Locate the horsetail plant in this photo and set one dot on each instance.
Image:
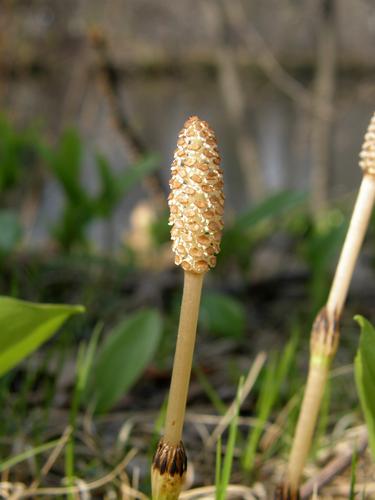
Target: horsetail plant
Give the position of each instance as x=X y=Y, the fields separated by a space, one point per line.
x=325 y=331
x=196 y=204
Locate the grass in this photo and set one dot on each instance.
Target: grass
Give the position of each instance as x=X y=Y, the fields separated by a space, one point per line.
x=276 y=371
x=210 y=391
x=353 y=476
x=30 y=453
x=223 y=472
x=84 y=362
x=93 y=456
x=94 y=453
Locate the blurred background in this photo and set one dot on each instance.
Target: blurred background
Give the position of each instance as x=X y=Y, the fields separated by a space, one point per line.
x=288 y=87
x=92 y=97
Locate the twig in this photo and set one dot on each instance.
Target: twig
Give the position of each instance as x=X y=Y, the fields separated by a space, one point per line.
x=110 y=82
x=266 y=59
x=333 y=468
x=275 y=430
x=247 y=386
x=324 y=88
x=53 y=457
x=235 y=103
x=364 y=490
x=32 y=492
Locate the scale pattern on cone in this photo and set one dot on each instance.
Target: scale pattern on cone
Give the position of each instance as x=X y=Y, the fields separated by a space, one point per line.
x=196 y=200
x=367 y=155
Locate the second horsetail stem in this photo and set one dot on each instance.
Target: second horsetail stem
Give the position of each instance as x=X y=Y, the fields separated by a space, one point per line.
x=325 y=332
x=196 y=203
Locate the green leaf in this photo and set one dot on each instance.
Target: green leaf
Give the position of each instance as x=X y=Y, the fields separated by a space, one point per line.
x=65 y=161
x=135 y=173
x=125 y=354
x=115 y=186
x=110 y=194
x=223 y=478
x=25 y=326
x=222 y=315
x=364 y=369
x=17 y=148
x=10 y=231
x=270 y=207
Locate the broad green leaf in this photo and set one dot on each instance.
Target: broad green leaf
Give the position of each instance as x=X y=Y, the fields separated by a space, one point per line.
x=24 y=326
x=125 y=354
x=222 y=314
x=10 y=231
x=364 y=369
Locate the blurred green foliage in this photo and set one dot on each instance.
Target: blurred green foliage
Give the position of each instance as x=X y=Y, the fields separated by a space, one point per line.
x=365 y=376
x=318 y=242
x=275 y=374
x=17 y=154
x=10 y=231
x=223 y=315
x=254 y=225
x=22 y=149
x=81 y=208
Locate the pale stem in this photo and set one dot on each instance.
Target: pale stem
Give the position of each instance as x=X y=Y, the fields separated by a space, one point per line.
x=352 y=245
x=183 y=357
x=313 y=394
x=319 y=365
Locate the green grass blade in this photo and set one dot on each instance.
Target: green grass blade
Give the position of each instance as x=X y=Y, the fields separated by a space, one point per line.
x=263 y=409
x=212 y=395
x=37 y=450
x=84 y=362
x=218 y=469
x=353 y=476
x=364 y=370
x=229 y=451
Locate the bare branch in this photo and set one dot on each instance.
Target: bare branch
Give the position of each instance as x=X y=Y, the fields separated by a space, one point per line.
x=324 y=89
x=234 y=99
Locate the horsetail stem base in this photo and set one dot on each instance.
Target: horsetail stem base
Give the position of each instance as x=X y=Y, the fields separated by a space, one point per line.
x=323 y=346
x=284 y=493
x=168 y=471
